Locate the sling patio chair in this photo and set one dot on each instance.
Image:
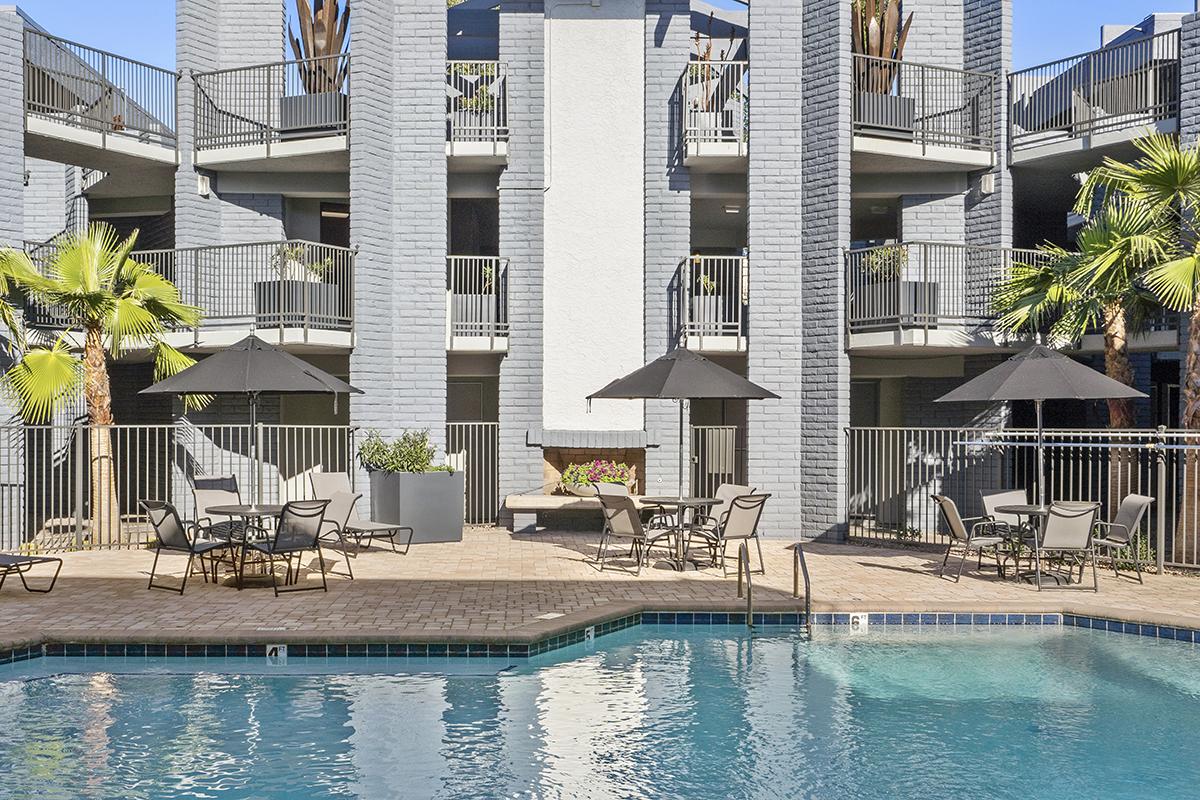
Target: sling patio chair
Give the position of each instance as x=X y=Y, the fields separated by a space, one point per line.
x=325 y=484
x=337 y=514
x=706 y=525
x=980 y=536
x=1122 y=532
x=19 y=565
x=622 y=521
x=217 y=490
x=738 y=522
x=297 y=531
x=1015 y=528
x=1067 y=534
x=175 y=535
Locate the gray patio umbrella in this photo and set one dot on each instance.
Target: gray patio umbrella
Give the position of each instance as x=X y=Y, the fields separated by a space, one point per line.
x=252 y=367
x=682 y=375
x=1039 y=374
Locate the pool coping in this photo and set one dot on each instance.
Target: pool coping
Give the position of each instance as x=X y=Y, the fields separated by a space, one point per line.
x=547 y=635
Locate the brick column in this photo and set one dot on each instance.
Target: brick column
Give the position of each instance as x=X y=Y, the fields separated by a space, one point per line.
x=522 y=183
x=668 y=222
x=987 y=47
x=12 y=128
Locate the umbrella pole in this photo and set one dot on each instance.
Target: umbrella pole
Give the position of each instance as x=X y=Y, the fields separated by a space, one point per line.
x=256 y=434
x=682 y=445
x=1041 y=455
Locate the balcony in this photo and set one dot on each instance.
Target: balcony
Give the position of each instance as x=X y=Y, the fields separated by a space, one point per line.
x=913 y=117
x=716 y=122
x=291 y=292
x=926 y=294
x=713 y=302
x=292 y=115
x=477 y=113
x=1095 y=100
x=476 y=304
x=95 y=109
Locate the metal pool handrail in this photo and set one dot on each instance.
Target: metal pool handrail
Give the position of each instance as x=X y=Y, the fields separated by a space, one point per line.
x=800 y=568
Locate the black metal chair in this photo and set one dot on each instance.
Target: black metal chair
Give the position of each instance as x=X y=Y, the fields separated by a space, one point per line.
x=176 y=535
x=19 y=565
x=297 y=531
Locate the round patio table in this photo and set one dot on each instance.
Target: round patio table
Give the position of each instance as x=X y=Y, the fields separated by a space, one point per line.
x=1036 y=515
x=251 y=512
x=681 y=506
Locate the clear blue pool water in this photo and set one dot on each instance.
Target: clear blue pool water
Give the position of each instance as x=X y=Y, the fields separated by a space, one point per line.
x=652 y=712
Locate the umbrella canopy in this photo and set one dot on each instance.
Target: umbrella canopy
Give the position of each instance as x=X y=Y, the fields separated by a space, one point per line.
x=252 y=367
x=682 y=375
x=1040 y=373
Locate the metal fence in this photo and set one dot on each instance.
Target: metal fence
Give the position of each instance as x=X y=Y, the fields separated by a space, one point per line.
x=476 y=101
x=272 y=103
x=474 y=448
x=1132 y=84
x=926 y=284
x=716 y=101
x=78 y=486
x=477 y=298
x=927 y=105
x=716 y=458
x=714 y=297
x=97 y=91
x=891 y=473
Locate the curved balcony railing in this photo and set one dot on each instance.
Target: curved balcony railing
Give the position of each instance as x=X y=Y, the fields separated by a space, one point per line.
x=926 y=105
x=1128 y=85
x=97 y=91
x=926 y=284
x=272 y=103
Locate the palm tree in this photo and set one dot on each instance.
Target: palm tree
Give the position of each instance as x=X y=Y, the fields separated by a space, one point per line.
x=1068 y=293
x=108 y=302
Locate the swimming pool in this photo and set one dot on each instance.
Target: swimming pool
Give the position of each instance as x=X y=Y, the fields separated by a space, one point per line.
x=649 y=712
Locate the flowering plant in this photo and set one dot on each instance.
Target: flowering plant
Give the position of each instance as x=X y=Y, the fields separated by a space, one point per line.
x=597 y=471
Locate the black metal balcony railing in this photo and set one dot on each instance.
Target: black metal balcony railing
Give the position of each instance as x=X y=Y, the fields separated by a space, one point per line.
x=1128 y=85
x=477 y=295
x=476 y=101
x=272 y=103
x=716 y=102
x=926 y=284
x=714 y=296
x=97 y=91
x=292 y=285
x=926 y=105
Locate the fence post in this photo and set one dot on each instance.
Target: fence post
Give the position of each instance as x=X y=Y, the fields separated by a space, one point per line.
x=80 y=457
x=1160 y=465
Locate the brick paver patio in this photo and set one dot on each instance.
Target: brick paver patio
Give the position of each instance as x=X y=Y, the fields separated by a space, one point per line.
x=496 y=586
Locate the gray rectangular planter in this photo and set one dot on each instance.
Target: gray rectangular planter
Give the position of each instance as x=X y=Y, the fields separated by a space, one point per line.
x=888 y=115
x=307 y=115
x=433 y=504
x=293 y=302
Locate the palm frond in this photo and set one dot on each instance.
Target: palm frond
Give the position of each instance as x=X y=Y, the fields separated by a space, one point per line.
x=44 y=380
x=167 y=362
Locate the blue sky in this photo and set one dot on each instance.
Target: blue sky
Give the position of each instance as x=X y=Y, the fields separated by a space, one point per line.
x=145 y=29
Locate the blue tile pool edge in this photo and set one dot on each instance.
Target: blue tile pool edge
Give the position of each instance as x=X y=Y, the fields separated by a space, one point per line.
x=580 y=634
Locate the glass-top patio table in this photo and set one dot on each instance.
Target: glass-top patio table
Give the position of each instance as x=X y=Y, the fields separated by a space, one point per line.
x=253 y=514
x=681 y=506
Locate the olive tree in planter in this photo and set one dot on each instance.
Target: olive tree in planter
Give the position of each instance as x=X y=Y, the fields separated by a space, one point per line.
x=407 y=489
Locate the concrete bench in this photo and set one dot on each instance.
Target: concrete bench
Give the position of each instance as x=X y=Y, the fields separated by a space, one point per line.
x=524 y=508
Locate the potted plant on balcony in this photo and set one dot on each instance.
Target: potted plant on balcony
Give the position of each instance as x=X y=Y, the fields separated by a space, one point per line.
x=323 y=67
x=577 y=479
x=408 y=489
x=299 y=294
x=707 y=110
x=913 y=302
x=877 y=40
x=476 y=310
x=705 y=299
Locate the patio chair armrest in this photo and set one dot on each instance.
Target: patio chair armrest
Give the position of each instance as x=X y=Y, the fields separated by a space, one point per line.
x=1101 y=524
x=986 y=525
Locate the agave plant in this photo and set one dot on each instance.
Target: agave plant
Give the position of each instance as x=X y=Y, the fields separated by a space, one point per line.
x=876 y=32
x=324 y=39
x=702 y=69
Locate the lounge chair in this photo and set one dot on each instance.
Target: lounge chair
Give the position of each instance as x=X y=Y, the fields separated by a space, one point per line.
x=337 y=514
x=622 y=521
x=978 y=537
x=1122 y=532
x=297 y=531
x=176 y=535
x=19 y=565
x=1067 y=533
x=325 y=484
x=738 y=522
